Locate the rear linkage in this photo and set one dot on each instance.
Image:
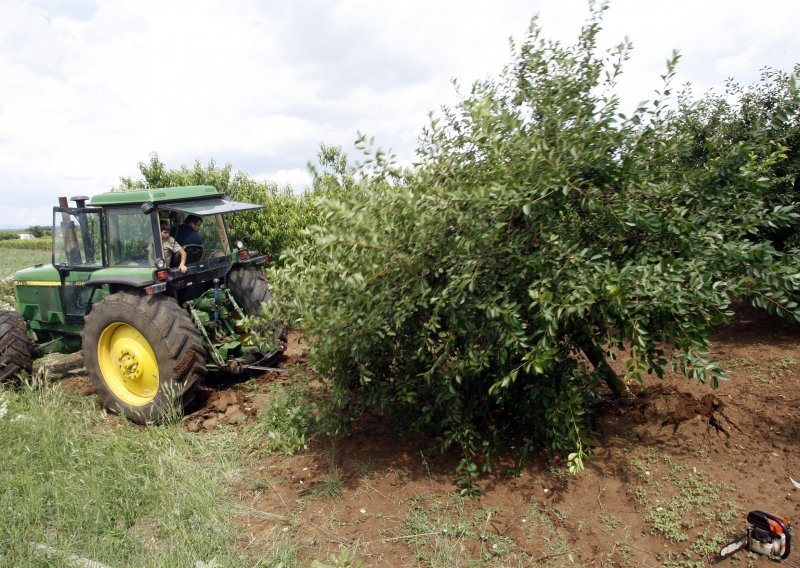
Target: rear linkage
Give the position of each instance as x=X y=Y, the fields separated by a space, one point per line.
x=211 y=314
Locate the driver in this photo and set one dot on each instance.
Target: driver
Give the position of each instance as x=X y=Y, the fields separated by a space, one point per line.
x=189 y=232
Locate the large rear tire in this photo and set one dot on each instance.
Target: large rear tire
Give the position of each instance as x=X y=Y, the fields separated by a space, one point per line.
x=144 y=356
x=15 y=347
x=249 y=288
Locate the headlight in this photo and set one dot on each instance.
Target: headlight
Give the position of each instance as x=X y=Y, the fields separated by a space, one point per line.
x=160 y=263
x=239 y=245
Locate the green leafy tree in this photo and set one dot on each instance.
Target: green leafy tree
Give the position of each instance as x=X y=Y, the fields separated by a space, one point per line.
x=37 y=231
x=764 y=111
x=479 y=296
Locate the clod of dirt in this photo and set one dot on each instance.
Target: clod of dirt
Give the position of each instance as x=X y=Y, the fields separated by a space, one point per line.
x=675 y=408
x=217 y=408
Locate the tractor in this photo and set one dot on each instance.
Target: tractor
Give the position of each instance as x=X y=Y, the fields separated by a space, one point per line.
x=150 y=330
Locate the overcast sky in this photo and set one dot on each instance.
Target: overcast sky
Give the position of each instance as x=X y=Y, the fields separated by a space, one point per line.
x=89 y=88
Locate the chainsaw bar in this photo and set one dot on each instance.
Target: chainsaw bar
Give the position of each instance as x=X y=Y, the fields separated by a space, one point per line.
x=735 y=545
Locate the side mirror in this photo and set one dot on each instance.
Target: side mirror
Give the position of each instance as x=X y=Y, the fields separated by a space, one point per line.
x=147 y=207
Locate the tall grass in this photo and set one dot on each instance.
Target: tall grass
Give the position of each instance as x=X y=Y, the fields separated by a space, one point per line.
x=124 y=496
x=13 y=258
x=44 y=243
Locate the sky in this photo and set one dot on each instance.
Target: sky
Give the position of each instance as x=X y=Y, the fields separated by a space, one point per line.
x=89 y=88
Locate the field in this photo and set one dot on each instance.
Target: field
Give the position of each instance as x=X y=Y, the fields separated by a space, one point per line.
x=672 y=477
x=17 y=254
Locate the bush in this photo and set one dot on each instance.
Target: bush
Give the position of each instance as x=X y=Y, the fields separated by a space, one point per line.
x=286 y=424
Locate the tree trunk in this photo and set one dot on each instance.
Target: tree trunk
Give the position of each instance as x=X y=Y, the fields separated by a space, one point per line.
x=597 y=358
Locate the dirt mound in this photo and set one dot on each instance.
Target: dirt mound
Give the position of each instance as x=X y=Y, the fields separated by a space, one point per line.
x=229 y=407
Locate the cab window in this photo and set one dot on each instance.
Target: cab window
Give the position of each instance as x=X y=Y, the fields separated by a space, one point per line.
x=131 y=237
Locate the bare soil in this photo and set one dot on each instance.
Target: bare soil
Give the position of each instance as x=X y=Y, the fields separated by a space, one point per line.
x=682 y=460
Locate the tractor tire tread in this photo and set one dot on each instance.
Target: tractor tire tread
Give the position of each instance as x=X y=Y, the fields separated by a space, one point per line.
x=15 y=347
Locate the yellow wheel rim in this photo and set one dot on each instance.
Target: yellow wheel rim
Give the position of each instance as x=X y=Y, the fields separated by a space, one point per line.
x=128 y=364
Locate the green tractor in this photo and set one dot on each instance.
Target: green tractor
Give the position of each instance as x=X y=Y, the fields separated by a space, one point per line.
x=150 y=331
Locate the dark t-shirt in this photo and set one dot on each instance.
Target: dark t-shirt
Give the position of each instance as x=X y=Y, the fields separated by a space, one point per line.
x=187 y=236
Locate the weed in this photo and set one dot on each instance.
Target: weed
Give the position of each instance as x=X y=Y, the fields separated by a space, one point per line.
x=539 y=517
x=691 y=508
x=642 y=466
x=285 y=426
x=440 y=526
x=345 y=559
x=330 y=487
x=706 y=545
x=737 y=363
x=556 y=545
x=622 y=549
x=558 y=473
x=497 y=546
x=781 y=366
x=610 y=521
x=748 y=368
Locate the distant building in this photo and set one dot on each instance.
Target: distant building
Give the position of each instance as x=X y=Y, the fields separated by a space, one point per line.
x=25 y=236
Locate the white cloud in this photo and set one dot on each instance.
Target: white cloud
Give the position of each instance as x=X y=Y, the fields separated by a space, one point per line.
x=296 y=177
x=91 y=88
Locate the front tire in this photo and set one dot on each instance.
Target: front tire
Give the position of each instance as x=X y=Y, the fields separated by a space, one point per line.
x=144 y=356
x=15 y=347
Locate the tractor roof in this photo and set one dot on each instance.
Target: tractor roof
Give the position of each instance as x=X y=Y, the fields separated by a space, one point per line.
x=155 y=195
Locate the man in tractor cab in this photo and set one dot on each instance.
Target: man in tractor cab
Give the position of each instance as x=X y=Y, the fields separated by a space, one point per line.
x=171 y=248
x=189 y=232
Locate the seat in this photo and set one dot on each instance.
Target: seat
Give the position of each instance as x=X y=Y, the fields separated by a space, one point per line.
x=194 y=253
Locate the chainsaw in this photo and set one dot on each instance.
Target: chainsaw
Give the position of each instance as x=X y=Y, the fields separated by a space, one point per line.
x=768 y=535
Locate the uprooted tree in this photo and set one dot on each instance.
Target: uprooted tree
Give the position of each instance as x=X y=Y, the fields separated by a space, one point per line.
x=480 y=296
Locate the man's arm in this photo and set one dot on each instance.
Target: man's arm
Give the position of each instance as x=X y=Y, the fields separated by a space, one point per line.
x=182 y=265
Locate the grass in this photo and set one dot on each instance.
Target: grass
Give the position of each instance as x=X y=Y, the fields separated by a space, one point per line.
x=683 y=505
x=13 y=258
x=330 y=487
x=72 y=485
x=779 y=368
x=441 y=526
